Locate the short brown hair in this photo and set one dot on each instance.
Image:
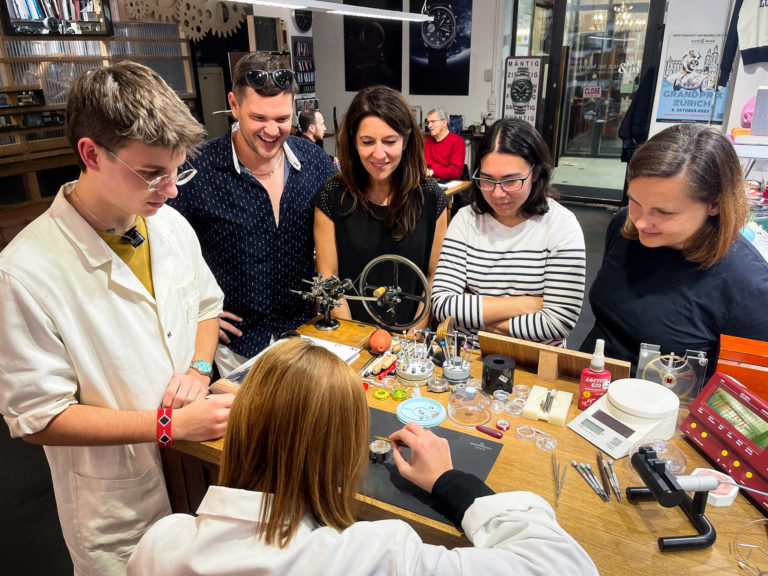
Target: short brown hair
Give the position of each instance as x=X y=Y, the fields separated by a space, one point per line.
x=713 y=174
x=306 y=119
x=260 y=61
x=298 y=430
x=407 y=198
x=125 y=103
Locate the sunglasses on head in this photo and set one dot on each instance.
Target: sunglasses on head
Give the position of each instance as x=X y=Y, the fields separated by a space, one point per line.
x=257 y=79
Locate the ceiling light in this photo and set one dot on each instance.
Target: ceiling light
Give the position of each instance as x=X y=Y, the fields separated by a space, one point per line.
x=343 y=9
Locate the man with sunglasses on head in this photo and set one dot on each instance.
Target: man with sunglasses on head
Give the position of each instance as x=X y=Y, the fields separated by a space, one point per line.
x=249 y=204
x=109 y=317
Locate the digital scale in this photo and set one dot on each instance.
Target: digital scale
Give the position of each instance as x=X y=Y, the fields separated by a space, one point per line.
x=631 y=411
x=728 y=422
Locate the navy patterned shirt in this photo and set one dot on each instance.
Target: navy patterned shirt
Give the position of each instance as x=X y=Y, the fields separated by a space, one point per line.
x=256 y=262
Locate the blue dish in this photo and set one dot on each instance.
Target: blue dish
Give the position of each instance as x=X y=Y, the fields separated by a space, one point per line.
x=424 y=411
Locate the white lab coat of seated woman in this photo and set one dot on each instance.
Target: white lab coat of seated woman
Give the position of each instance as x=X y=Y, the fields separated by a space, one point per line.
x=512 y=533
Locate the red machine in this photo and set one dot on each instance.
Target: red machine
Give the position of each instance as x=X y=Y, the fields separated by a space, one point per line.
x=729 y=423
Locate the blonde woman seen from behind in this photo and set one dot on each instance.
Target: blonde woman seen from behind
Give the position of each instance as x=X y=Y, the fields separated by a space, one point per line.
x=294 y=454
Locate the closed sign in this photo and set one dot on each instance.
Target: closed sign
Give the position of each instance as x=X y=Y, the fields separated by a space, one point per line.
x=592 y=91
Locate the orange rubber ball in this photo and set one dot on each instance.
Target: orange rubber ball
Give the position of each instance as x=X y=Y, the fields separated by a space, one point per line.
x=379 y=341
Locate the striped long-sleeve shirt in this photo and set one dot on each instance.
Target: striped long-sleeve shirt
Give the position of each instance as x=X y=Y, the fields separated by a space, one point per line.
x=542 y=256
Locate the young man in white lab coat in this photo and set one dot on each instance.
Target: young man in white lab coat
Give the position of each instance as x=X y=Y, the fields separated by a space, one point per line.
x=108 y=317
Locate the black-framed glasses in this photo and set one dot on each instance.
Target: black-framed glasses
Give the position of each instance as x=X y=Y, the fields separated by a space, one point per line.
x=161 y=181
x=507 y=185
x=257 y=79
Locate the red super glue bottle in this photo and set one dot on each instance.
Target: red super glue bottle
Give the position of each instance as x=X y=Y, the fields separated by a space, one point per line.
x=595 y=379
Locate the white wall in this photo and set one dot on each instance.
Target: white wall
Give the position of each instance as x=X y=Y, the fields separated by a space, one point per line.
x=487 y=30
x=747 y=80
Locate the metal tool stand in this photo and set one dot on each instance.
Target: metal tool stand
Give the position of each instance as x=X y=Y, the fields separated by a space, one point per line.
x=662 y=486
x=326 y=322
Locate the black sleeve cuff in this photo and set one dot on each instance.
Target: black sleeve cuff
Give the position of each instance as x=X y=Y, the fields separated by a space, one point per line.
x=454 y=492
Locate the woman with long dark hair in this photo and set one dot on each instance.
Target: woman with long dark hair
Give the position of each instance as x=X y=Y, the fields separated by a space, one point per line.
x=381 y=202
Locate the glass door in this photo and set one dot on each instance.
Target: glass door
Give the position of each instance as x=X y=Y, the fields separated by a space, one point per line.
x=595 y=54
x=603 y=71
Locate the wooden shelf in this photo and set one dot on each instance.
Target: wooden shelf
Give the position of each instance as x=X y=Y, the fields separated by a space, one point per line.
x=26 y=149
x=29 y=108
x=7 y=89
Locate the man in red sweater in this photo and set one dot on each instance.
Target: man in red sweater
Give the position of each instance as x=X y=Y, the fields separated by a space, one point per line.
x=444 y=150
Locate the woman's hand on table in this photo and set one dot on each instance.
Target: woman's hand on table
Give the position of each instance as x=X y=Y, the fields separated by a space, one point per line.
x=430 y=455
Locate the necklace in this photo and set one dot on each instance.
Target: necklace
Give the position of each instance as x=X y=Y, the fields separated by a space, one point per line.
x=130 y=235
x=271 y=172
x=378 y=202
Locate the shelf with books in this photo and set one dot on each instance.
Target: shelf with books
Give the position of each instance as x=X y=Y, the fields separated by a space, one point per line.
x=55 y=17
x=304 y=65
x=36 y=74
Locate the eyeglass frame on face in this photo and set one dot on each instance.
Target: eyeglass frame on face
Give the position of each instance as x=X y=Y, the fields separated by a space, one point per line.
x=501 y=183
x=266 y=74
x=429 y=122
x=161 y=181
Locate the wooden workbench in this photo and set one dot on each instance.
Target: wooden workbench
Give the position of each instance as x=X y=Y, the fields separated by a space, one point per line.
x=460 y=186
x=620 y=537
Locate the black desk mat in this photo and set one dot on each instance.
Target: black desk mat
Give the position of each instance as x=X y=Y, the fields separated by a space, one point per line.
x=383 y=481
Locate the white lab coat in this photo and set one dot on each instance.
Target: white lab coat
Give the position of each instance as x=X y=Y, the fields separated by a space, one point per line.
x=514 y=533
x=77 y=325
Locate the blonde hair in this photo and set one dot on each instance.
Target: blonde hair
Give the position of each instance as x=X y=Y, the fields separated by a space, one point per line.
x=125 y=103
x=298 y=431
x=711 y=168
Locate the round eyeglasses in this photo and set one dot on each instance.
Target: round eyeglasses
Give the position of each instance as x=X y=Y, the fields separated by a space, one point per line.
x=161 y=181
x=507 y=185
x=257 y=79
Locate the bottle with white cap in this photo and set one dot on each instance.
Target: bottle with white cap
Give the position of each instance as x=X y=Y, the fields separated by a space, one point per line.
x=594 y=379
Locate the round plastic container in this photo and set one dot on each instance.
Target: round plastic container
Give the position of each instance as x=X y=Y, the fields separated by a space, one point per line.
x=514 y=406
x=469 y=407
x=437 y=384
x=521 y=391
x=673 y=457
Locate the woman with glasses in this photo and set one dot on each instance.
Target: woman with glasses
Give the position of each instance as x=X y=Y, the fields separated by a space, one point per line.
x=294 y=454
x=677 y=271
x=380 y=202
x=513 y=261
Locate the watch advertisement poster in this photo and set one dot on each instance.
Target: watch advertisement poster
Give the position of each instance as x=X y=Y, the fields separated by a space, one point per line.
x=373 y=49
x=688 y=79
x=440 y=49
x=522 y=82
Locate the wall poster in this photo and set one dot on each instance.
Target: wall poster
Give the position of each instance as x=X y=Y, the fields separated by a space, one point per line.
x=440 y=49
x=689 y=78
x=373 y=49
x=522 y=83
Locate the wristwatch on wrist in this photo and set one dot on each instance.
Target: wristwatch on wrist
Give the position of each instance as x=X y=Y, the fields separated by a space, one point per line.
x=439 y=34
x=521 y=90
x=202 y=367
